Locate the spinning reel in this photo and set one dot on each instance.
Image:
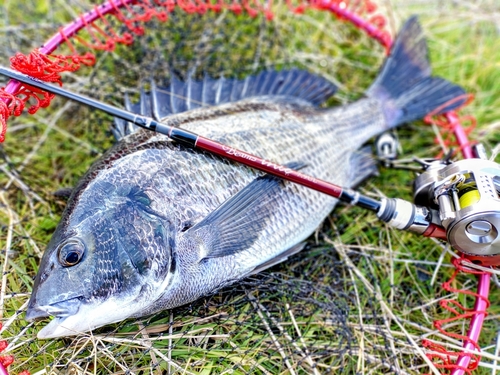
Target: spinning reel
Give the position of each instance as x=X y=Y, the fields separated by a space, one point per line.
x=461 y=199
x=466 y=196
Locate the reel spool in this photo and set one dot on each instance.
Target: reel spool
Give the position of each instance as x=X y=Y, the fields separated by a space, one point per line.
x=466 y=195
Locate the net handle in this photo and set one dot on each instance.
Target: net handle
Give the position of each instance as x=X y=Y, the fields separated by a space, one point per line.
x=3 y=370
x=476 y=324
x=341 y=11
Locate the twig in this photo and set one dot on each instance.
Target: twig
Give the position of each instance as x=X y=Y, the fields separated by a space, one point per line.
x=9 y=321
x=271 y=334
x=254 y=363
x=497 y=355
x=439 y=263
x=147 y=341
x=169 y=361
x=308 y=354
x=6 y=256
x=50 y=124
x=170 y=344
x=111 y=356
x=284 y=333
x=361 y=356
x=20 y=184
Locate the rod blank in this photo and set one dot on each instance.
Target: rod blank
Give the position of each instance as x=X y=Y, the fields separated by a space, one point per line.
x=193 y=140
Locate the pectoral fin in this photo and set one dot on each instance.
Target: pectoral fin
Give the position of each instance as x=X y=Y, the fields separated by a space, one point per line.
x=238 y=222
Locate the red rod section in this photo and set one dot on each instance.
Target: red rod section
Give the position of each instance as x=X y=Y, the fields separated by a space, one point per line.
x=268 y=166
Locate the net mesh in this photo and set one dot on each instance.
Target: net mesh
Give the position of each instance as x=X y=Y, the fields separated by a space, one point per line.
x=357 y=300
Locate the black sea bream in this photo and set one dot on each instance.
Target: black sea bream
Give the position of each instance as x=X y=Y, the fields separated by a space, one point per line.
x=154 y=225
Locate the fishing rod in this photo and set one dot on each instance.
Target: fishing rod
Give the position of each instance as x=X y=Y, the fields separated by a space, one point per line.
x=457 y=202
x=459 y=198
x=396 y=212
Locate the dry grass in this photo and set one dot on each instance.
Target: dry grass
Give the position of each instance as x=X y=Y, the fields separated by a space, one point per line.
x=359 y=300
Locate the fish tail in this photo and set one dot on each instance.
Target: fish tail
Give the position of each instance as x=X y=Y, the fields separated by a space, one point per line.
x=405 y=86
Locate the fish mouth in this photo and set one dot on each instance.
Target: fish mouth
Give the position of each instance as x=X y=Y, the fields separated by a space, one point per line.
x=78 y=315
x=60 y=311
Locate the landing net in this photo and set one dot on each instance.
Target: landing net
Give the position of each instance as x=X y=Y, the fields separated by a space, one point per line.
x=353 y=302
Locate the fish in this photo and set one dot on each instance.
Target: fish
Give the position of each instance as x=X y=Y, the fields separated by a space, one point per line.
x=154 y=224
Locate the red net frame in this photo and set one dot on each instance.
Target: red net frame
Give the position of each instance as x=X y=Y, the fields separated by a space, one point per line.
x=44 y=65
x=467 y=361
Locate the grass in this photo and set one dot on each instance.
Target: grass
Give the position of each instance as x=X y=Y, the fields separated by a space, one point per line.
x=358 y=300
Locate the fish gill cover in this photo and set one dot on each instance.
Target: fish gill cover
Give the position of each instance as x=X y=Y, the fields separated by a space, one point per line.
x=350 y=302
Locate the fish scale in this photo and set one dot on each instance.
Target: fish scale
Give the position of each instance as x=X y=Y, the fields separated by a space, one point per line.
x=299 y=138
x=155 y=224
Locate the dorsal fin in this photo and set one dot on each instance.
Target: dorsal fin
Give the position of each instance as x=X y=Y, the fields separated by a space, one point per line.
x=120 y=127
x=180 y=96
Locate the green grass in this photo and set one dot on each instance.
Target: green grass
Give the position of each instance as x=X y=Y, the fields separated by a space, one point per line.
x=351 y=303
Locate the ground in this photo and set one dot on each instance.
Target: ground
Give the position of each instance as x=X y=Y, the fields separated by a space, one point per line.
x=359 y=299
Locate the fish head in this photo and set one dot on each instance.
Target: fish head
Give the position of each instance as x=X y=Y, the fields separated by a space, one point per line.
x=110 y=254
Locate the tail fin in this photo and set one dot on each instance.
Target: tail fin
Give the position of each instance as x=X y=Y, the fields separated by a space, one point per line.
x=405 y=86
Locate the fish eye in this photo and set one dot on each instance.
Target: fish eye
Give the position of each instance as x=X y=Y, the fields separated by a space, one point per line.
x=71 y=252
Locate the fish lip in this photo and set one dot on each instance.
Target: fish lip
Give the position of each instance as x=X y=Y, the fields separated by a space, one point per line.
x=35 y=312
x=59 y=310
x=55 y=329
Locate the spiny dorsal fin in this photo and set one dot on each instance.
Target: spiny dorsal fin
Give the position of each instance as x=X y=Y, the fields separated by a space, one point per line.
x=122 y=128
x=181 y=96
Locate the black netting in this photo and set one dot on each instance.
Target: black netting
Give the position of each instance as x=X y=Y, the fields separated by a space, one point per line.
x=337 y=307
